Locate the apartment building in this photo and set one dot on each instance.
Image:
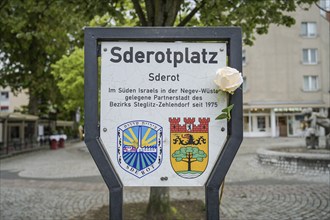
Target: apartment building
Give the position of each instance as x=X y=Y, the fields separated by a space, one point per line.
x=10 y=102
x=286 y=71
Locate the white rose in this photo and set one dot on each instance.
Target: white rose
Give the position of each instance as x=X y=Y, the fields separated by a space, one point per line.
x=228 y=79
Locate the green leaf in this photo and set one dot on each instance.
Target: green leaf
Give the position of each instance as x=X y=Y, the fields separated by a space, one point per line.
x=221 y=116
x=230 y=107
x=226 y=113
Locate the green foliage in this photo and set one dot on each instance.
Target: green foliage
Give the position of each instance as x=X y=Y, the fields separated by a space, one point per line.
x=33 y=35
x=253 y=16
x=120 y=14
x=69 y=74
x=226 y=113
x=28 y=47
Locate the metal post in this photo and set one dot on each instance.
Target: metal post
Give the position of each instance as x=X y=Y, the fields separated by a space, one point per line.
x=92 y=132
x=235 y=132
x=22 y=134
x=116 y=203
x=212 y=203
x=5 y=135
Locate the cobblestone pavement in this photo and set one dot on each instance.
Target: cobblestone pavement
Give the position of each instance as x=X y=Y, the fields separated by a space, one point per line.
x=65 y=183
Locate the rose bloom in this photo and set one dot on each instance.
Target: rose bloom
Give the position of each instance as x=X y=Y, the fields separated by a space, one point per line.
x=228 y=79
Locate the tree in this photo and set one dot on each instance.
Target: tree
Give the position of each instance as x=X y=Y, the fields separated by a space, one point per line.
x=189 y=155
x=253 y=16
x=69 y=75
x=68 y=71
x=33 y=35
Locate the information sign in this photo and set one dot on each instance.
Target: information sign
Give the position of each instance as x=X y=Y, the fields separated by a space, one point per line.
x=158 y=108
x=158 y=103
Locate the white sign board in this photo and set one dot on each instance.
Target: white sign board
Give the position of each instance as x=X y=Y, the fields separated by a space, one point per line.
x=158 y=108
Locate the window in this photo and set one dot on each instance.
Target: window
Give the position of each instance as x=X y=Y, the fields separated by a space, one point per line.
x=311 y=83
x=261 y=122
x=308 y=29
x=4 y=96
x=309 y=56
x=325 y=5
x=4 y=108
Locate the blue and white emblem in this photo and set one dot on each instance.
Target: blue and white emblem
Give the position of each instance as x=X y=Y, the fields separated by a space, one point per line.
x=139 y=147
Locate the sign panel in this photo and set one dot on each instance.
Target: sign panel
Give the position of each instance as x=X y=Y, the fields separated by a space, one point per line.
x=158 y=108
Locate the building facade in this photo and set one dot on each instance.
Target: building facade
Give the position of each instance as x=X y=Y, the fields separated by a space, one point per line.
x=23 y=132
x=286 y=71
x=9 y=102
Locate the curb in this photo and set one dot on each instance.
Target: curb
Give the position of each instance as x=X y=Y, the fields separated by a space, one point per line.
x=33 y=149
x=294 y=162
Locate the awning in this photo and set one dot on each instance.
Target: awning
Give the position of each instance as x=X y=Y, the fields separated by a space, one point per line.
x=17 y=117
x=59 y=123
x=64 y=123
x=284 y=105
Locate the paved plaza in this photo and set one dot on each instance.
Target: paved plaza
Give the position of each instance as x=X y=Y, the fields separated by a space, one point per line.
x=65 y=184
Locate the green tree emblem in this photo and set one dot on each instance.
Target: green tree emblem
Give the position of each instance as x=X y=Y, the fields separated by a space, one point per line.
x=189 y=155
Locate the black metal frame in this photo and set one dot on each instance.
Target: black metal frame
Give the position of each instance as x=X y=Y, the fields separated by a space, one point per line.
x=231 y=35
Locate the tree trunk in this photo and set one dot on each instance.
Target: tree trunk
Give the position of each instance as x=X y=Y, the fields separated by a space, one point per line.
x=33 y=104
x=159 y=13
x=159 y=203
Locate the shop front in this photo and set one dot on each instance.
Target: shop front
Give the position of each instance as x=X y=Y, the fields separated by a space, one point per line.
x=18 y=132
x=273 y=122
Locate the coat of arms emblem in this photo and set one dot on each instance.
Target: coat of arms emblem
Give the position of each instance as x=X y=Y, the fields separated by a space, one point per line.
x=139 y=147
x=189 y=146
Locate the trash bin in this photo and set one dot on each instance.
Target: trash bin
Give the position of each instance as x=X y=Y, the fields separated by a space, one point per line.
x=54 y=139
x=61 y=143
x=53 y=144
x=62 y=139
